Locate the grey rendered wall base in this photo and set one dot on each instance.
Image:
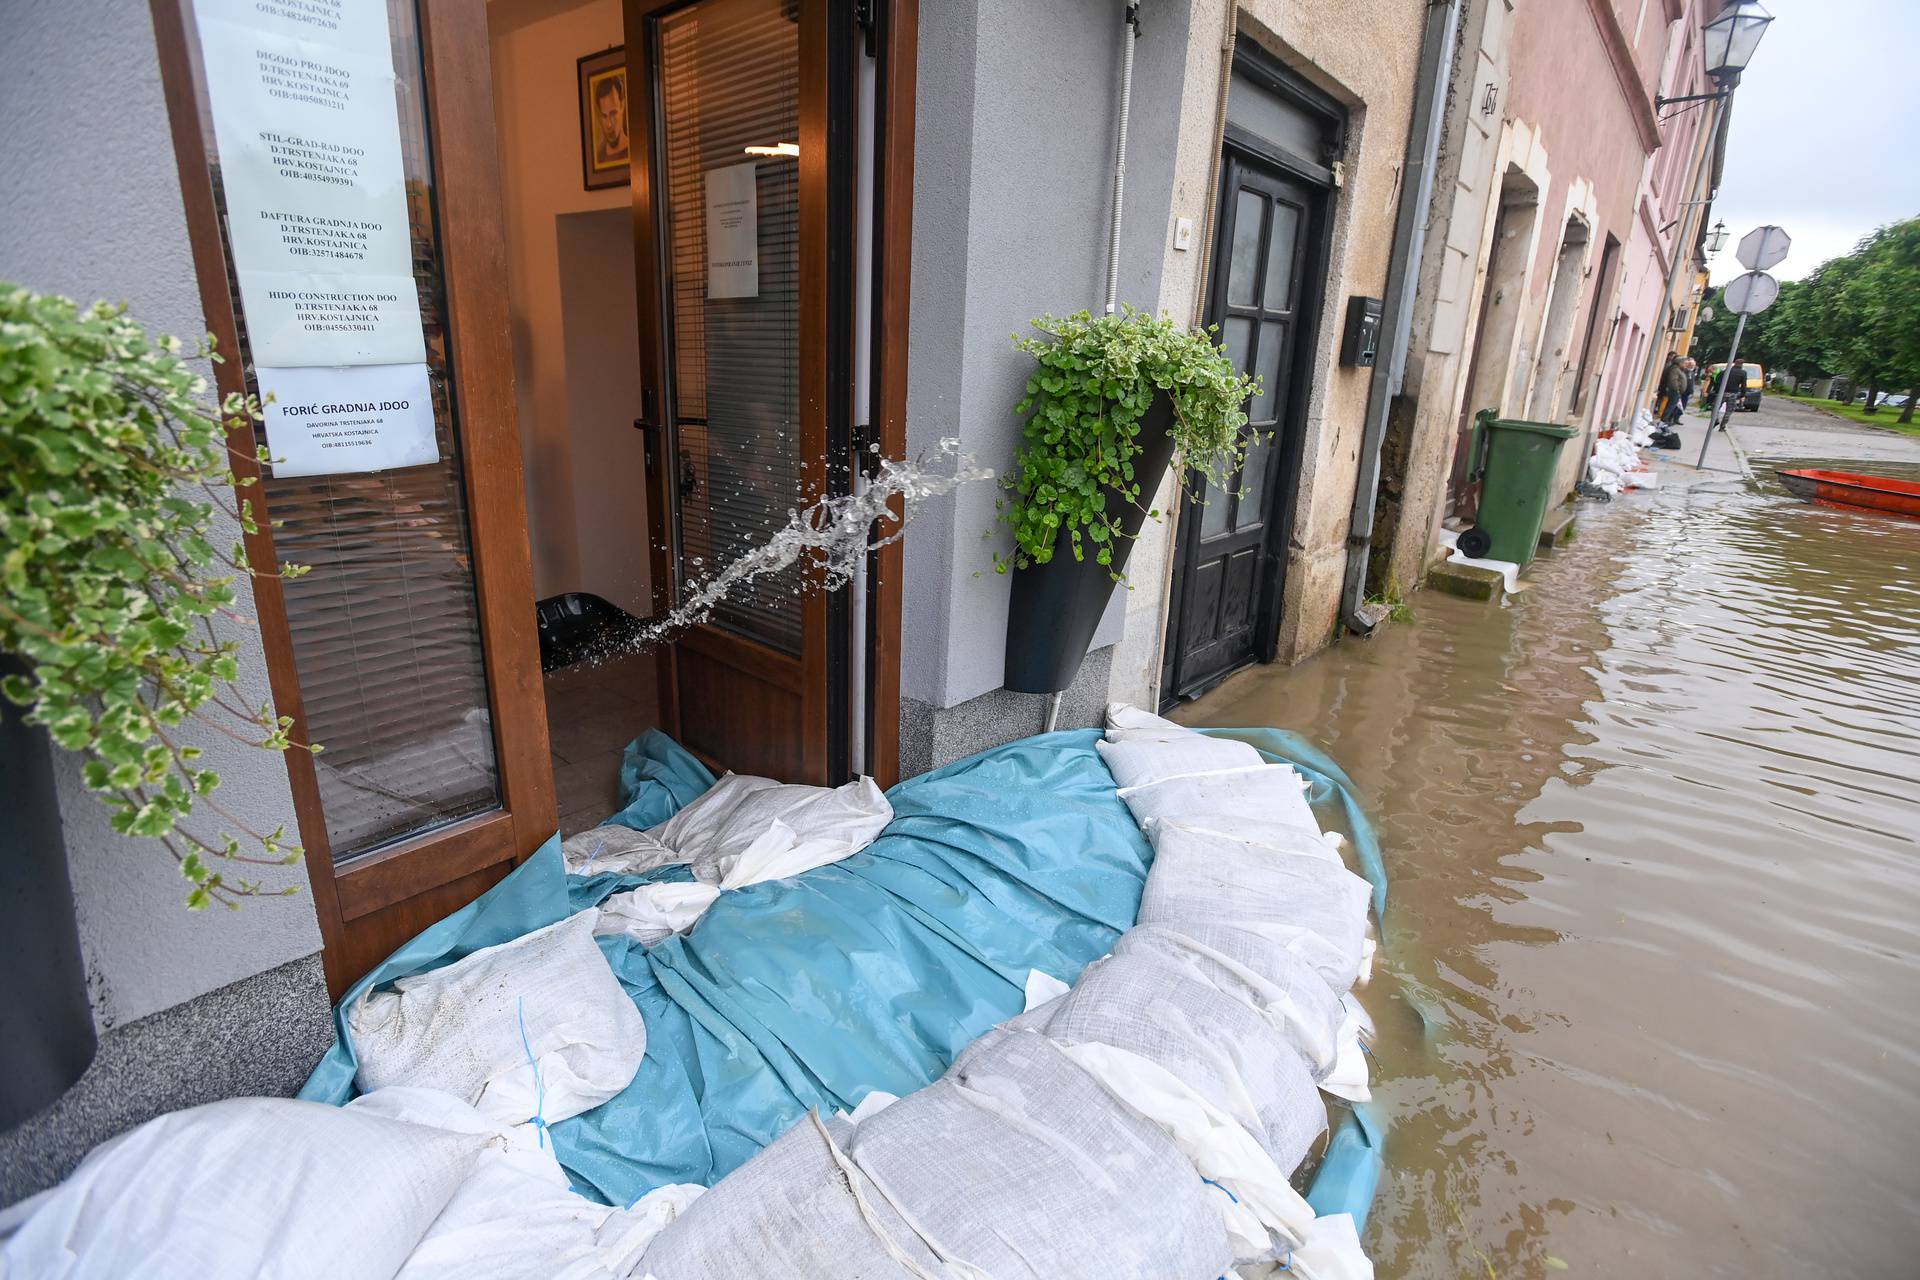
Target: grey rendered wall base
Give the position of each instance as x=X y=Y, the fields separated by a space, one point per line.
x=259 y=1037
x=933 y=736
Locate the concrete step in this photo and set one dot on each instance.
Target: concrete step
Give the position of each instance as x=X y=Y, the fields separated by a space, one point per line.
x=1559 y=527
x=1469 y=581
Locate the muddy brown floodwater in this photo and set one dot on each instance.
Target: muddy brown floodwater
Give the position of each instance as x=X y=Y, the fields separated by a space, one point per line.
x=1651 y=996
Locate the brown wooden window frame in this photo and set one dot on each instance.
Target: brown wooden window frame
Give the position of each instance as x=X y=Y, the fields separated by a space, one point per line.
x=374 y=903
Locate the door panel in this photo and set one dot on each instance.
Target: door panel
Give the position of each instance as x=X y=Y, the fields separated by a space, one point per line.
x=1227 y=535
x=409 y=648
x=731 y=257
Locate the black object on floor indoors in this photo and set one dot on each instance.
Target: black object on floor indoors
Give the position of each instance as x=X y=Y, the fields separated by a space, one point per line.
x=578 y=625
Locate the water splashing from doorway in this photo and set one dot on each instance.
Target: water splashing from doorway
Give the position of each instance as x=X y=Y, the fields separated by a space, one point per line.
x=833 y=535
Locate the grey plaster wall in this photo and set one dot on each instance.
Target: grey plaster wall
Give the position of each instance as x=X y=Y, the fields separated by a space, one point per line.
x=1016 y=120
x=933 y=736
x=91 y=207
x=258 y=1037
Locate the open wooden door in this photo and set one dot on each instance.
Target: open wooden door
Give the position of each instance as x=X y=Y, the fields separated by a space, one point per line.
x=408 y=650
x=743 y=128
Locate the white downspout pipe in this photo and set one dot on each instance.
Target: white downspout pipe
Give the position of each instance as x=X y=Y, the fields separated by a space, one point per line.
x=1129 y=33
x=1403 y=280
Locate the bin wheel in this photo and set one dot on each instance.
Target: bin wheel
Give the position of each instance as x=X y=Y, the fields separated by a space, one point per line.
x=1475 y=543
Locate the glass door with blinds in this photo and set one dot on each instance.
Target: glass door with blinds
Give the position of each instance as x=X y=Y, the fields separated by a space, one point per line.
x=740 y=123
x=405 y=649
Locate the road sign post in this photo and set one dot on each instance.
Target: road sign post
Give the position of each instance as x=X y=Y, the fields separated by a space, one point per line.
x=1763 y=248
x=1746 y=295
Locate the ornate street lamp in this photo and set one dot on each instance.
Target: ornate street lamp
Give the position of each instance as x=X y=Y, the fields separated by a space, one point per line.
x=1727 y=46
x=1716 y=239
x=1731 y=38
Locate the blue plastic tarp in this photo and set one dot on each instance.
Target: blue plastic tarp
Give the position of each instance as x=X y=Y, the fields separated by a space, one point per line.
x=870 y=973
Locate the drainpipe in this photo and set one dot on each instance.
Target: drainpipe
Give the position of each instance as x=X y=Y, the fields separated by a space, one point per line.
x=1403 y=280
x=1131 y=33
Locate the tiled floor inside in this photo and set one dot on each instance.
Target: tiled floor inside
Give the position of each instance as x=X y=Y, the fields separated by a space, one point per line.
x=592 y=714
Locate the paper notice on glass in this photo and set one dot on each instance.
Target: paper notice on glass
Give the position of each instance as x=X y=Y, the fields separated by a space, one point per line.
x=357 y=26
x=329 y=422
x=312 y=172
x=733 y=233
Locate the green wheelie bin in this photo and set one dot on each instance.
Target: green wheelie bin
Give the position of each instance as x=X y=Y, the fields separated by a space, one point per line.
x=1514 y=463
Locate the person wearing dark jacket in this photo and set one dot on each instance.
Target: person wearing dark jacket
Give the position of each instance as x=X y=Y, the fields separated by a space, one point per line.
x=1736 y=392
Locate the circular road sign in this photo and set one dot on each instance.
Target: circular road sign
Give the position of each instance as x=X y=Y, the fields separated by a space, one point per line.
x=1763 y=248
x=1751 y=293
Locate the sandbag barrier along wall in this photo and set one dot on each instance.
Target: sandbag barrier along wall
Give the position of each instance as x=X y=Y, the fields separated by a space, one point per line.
x=1145 y=1123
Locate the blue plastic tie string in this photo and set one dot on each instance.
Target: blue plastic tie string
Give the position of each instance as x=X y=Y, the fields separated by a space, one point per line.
x=1222 y=1190
x=539 y=1085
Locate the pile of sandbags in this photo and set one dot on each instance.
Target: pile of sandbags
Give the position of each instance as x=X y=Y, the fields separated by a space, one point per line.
x=407 y=1183
x=1615 y=464
x=742 y=831
x=1145 y=1123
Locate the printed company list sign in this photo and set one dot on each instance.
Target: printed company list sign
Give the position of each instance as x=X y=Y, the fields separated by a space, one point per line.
x=733 y=232
x=323 y=422
x=308 y=129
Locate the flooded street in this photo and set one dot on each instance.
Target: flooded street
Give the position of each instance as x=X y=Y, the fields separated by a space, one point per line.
x=1651 y=996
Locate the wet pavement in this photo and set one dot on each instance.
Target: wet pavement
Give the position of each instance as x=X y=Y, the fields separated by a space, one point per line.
x=1651 y=995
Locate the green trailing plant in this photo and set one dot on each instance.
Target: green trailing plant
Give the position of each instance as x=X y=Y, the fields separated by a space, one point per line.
x=1097 y=377
x=111 y=467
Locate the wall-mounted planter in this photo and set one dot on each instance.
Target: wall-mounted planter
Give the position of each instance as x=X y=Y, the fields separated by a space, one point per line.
x=46 y=1022
x=1055 y=607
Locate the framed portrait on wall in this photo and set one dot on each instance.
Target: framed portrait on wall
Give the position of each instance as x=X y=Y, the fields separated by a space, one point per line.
x=604 y=147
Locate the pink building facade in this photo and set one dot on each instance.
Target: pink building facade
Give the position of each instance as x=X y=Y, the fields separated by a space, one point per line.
x=1563 y=194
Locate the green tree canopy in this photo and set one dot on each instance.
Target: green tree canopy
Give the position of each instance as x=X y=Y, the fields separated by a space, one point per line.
x=1856 y=316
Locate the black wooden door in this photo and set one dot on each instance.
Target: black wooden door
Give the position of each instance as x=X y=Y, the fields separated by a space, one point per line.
x=1232 y=536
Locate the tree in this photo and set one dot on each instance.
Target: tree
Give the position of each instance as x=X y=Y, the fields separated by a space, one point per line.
x=1882 y=301
x=1857 y=315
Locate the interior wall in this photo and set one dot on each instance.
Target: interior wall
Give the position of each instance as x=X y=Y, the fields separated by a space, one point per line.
x=599 y=334
x=536 y=46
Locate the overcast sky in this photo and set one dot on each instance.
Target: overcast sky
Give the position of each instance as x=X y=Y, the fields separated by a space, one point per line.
x=1826 y=130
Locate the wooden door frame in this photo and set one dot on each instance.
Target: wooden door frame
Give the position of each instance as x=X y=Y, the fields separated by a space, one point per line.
x=825 y=134
x=450 y=865
x=896 y=43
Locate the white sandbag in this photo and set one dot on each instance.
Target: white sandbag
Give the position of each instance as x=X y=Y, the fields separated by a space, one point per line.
x=1269 y=837
x=1164 y=1005
x=1136 y=762
x=745 y=830
x=537 y=1029
x=1263 y=792
x=242 y=1188
x=1263 y=1216
x=1043 y=988
x=1126 y=722
x=614 y=848
x=799 y=1210
x=1197 y=876
x=1020 y=1164
x=1347 y=1078
x=653 y=912
x=515 y=1216
x=1286 y=993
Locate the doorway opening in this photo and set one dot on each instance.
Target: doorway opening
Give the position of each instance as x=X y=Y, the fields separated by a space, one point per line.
x=1494 y=367
x=1265 y=288
x=696 y=334
x=575 y=322
x=1556 y=332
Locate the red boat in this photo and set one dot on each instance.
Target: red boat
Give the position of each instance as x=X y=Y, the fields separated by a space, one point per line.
x=1851 y=489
